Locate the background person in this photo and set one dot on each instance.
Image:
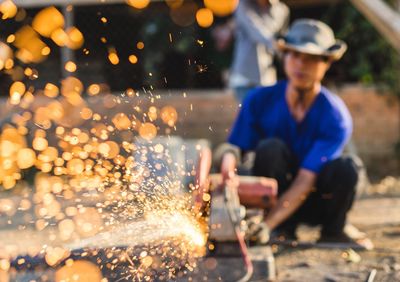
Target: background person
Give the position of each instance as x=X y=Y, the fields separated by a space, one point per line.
x=257 y=23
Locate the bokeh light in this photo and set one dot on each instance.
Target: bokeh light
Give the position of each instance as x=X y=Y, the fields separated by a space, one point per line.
x=148 y=131
x=133 y=59
x=113 y=56
x=204 y=17
x=8 y=9
x=70 y=66
x=46 y=51
x=86 y=167
x=140 y=45
x=185 y=14
x=55 y=255
x=174 y=3
x=88 y=222
x=17 y=88
x=26 y=158
x=221 y=8
x=10 y=38
x=51 y=90
x=75 y=38
x=70 y=86
x=60 y=37
x=29 y=45
x=169 y=115
x=47 y=21
x=138 y=4
x=80 y=270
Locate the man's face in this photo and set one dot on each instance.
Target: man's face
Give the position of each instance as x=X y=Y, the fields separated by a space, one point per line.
x=304 y=70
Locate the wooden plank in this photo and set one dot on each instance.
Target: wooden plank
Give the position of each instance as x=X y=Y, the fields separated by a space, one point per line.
x=306 y=3
x=385 y=19
x=45 y=3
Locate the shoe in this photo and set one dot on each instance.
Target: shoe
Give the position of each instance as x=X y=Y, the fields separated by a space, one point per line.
x=283 y=235
x=350 y=237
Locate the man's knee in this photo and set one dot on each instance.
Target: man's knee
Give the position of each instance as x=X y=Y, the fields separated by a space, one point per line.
x=342 y=173
x=348 y=170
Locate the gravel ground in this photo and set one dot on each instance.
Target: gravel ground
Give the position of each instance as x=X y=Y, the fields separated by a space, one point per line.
x=378 y=215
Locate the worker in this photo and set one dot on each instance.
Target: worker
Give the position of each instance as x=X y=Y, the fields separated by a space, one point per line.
x=298 y=130
x=256 y=23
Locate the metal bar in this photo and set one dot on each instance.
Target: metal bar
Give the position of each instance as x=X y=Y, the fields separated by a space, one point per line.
x=307 y=3
x=371 y=275
x=45 y=3
x=67 y=54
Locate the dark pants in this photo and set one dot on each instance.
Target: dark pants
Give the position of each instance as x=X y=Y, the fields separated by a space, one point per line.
x=332 y=197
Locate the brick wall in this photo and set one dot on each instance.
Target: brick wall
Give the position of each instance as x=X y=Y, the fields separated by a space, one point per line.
x=210 y=113
x=376 y=116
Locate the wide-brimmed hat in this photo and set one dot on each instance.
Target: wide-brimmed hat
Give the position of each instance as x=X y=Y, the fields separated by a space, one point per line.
x=312 y=37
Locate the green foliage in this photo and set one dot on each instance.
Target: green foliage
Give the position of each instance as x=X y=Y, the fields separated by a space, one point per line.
x=370 y=59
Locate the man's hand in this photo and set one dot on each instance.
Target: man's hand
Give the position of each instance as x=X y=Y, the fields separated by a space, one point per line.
x=260 y=233
x=292 y=199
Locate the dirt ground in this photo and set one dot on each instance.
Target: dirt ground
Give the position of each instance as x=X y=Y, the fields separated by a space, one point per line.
x=378 y=215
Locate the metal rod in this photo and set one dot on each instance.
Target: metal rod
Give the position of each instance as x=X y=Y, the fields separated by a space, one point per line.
x=67 y=54
x=371 y=275
x=45 y=3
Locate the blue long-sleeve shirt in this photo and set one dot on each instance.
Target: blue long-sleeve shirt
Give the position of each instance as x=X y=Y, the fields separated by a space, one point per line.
x=320 y=137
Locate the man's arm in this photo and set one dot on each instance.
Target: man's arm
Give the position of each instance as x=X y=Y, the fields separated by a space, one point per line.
x=292 y=199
